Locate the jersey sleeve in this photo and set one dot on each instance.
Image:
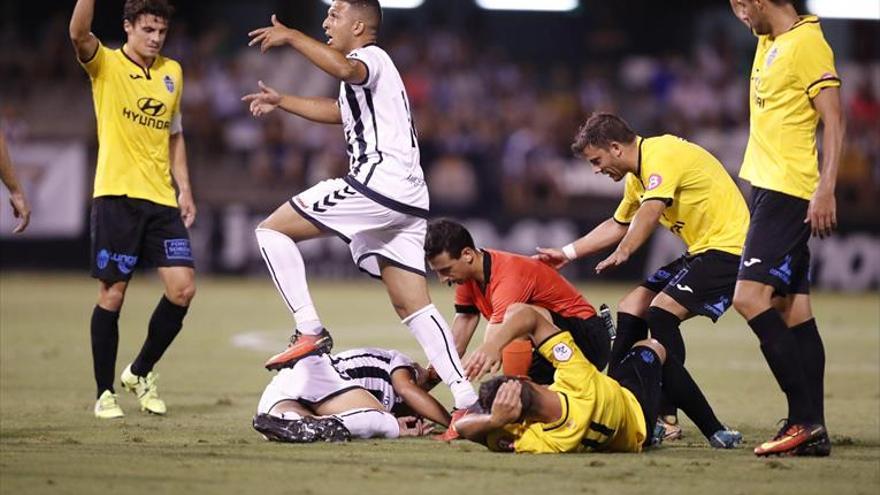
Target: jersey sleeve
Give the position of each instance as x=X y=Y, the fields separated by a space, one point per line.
x=662 y=177
x=814 y=66
x=372 y=60
x=400 y=360
x=510 y=291
x=573 y=371
x=94 y=65
x=629 y=205
x=464 y=300
x=176 y=114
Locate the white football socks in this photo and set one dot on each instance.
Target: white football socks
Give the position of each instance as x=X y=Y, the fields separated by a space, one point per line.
x=430 y=330
x=288 y=271
x=370 y=423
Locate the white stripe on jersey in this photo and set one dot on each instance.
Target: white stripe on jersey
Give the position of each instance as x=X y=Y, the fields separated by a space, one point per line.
x=381 y=138
x=371 y=368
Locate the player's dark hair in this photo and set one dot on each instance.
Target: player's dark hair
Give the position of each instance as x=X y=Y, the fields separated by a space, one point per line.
x=600 y=130
x=446 y=235
x=489 y=389
x=372 y=7
x=136 y=8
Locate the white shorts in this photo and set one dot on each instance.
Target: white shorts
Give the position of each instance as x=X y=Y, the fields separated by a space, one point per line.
x=372 y=230
x=311 y=381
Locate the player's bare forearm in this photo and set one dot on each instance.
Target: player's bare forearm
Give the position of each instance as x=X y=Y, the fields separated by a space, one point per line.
x=475 y=427
x=327 y=59
x=421 y=402
x=316 y=109
x=7 y=173
x=463 y=327
x=180 y=172
x=81 y=35
x=605 y=235
x=643 y=224
x=827 y=103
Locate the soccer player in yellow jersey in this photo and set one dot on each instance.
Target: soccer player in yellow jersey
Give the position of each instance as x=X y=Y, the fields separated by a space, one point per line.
x=582 y=410
x=136 y=220
x=793 y=85
x=680 y=185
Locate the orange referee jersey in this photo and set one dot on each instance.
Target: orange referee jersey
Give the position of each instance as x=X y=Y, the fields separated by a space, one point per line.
x=512 y=278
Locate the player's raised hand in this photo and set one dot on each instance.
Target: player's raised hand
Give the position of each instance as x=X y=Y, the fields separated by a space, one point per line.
x=485 y=359
x=507 y=407
x=275 y=35
x=822 y=214
x=263 y=102
x=21 y=209
x=617 y=258
x=551 y=256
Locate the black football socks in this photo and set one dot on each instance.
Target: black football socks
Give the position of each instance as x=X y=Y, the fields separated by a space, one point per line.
x=813 y=356
x=630 y=329
x=105 y=342
x=165 y=324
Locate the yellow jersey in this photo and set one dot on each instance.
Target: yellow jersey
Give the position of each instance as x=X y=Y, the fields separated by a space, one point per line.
x=134 y=108
x=597 y=413
x=787 y=73
x=703 y=205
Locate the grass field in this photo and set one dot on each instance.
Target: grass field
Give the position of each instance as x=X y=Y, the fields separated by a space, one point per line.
x=212 y=378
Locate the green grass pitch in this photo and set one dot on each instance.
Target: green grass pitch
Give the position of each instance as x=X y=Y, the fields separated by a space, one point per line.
x=212 y=378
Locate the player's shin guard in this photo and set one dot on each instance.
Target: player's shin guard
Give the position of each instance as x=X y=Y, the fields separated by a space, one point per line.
x=165 y=324
x=370 y=423
x=288 y=271
x=780 y=349
x=813 y=356
x=630 y=329
x=105 y=342
x=430 y=330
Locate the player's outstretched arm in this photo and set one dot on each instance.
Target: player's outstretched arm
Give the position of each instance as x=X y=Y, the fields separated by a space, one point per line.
x=180 y=172
x=639 y=231
x=506 y=409
x=324 y=57
x=605 y=235
x=421 y=402
x=316 y=109
x=84 y=42
x=822 y=213
x=463 y=327
x=20 y=207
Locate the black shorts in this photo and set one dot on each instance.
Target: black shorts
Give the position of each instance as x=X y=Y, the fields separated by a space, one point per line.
x=703 y=283
x=641 y=372
x=589 y=334
x=128 y=233
x=776 y=251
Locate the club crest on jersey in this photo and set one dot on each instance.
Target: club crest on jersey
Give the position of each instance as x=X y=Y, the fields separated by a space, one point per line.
x=654 y=181
x=169 y=83
x=561 y=352
x=771 y=56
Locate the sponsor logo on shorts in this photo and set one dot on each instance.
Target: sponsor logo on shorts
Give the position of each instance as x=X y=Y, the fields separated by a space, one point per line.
x=719 y=307
x=178 y=249
x=750 y=262
x=659 y=276
x=684 y=288
x=647 y=356
x=654 y=181
x=562 y=352
x=783 y=271
x=124 y=262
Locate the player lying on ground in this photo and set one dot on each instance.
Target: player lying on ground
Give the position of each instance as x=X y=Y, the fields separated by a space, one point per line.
x=379 y=208
x=680 y=185
x=352 y=394
x=582 y=410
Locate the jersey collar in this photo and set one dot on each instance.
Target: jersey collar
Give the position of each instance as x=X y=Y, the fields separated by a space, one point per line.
x=639 y=163
x=487 y=269
x=145 y=70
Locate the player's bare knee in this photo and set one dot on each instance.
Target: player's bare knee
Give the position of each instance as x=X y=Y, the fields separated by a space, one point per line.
x=655 y=346
x=633 y=304
x=111 y=297
x=748 y=301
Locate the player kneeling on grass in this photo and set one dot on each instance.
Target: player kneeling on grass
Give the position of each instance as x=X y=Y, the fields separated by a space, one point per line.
x=348 y=395
x=582 y=410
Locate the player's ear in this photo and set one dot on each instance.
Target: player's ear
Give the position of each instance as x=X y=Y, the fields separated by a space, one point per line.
x=358 y=28
x=127 y=26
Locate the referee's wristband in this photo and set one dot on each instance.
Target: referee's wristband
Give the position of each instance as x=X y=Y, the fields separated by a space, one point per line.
x=569 y=252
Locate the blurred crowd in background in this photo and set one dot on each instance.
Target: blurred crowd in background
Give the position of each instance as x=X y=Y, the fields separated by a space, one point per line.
x=494 y=130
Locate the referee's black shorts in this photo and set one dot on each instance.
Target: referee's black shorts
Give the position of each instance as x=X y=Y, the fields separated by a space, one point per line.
x=703 y=283
x=129 y=233
x=776 y=251
x=591 y=337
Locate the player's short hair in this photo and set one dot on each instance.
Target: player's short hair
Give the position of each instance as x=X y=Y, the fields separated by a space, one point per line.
x=600 y=130
x=372 y=9
x=489 y=389
x=446 y=235
x=136 y=8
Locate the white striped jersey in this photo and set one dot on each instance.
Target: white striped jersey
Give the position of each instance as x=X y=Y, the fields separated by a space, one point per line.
x=383 y=151
x=371 y=368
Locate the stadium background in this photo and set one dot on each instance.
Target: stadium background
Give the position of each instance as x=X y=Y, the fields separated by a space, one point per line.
x=496 y=97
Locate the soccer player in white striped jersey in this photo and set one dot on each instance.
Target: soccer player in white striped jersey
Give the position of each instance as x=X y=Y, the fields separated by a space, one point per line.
x=354 y=393
x=379 y=208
